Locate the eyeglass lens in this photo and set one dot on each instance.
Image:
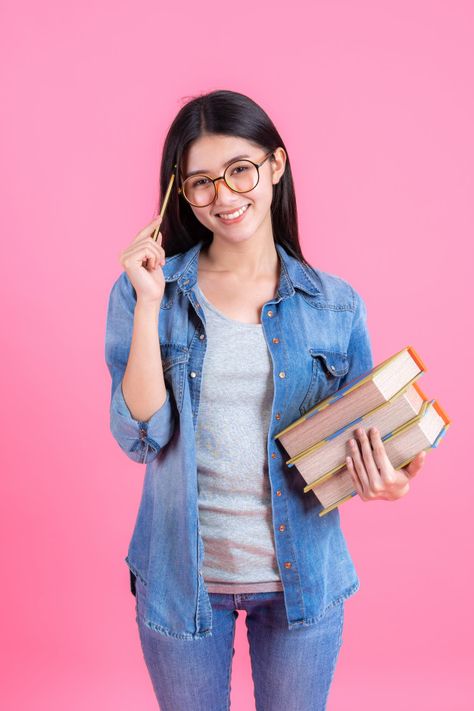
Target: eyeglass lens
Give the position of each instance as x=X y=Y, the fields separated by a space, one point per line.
x=240 y=176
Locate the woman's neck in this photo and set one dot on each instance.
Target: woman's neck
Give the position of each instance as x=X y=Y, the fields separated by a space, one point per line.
x=247 y=260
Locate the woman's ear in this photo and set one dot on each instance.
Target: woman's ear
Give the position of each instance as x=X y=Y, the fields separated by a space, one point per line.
x=278 y=163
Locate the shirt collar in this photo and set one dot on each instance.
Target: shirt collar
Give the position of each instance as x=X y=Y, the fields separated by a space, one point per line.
x=182 y=268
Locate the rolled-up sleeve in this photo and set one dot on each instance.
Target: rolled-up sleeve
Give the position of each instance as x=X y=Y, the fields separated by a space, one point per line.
x=359 y=349
x=141 y=441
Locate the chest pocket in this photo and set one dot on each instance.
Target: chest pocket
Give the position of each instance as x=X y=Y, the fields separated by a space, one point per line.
x=174 y=358
x=327 y=368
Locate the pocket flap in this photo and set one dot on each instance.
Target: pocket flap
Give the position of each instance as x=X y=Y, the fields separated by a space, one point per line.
x=172 y=354
x=334 y=362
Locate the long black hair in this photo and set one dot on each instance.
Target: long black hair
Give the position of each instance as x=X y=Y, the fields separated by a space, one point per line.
x=233 y=114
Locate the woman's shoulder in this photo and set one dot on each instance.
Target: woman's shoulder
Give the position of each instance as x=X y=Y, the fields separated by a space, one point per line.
x=334 y=288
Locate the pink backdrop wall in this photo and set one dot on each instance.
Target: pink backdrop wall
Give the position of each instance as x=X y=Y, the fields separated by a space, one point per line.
x=375 y=103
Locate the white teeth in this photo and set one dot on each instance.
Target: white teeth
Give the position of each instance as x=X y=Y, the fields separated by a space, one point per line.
x=235 y=214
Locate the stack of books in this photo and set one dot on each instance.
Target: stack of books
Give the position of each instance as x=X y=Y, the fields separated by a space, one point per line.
x=388 y=398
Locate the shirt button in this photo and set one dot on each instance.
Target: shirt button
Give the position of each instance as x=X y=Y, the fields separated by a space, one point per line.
x=278 y=492
x=276 y=340
x=270 y=313
x=192 y=374
x=281 y=527
x=142 y=432
x=287 y=564
x=333 y=368
x=277 y=416
x=186 y=282
x=202 y=336
x=274 y=455
x=281 y=374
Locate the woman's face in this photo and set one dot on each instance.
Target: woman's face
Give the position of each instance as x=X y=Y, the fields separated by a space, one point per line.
x=209 y=154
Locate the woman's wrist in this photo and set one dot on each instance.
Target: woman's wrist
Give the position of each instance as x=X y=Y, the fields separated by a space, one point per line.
x=147 y=307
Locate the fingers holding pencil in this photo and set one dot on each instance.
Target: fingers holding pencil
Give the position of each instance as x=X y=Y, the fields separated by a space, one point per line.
x=145 y=256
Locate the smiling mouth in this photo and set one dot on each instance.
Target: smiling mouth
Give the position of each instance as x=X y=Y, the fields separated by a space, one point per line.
x=234 y=214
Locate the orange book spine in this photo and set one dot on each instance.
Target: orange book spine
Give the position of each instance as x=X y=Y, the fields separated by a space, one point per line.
x=416 y=358
x=441 y=412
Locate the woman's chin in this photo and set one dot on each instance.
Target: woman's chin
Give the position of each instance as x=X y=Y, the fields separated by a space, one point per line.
x=234 y=238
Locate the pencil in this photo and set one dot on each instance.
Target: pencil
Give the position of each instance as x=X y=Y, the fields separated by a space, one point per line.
x=163 y=207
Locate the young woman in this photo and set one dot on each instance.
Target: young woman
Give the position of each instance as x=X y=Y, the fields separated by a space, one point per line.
x=219 y=335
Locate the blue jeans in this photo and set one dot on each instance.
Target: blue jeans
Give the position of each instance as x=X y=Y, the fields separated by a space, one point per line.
x=292 y=670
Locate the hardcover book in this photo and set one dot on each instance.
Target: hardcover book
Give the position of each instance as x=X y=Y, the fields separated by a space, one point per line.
x=387 y=397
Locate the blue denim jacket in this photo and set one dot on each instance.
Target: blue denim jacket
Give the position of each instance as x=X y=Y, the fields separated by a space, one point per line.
x=316 y=331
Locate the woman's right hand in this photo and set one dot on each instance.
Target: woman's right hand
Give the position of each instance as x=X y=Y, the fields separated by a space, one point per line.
x=142 y=260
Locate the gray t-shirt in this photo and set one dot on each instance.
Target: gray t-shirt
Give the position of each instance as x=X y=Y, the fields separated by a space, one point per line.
x=234 y=495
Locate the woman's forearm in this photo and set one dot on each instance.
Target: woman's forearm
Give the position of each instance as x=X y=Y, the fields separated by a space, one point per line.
x=143 y=384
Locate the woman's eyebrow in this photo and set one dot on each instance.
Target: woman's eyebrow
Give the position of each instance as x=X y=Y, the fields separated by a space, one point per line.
x=224 y=165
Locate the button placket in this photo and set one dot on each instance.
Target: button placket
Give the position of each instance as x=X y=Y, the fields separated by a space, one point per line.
x=281 y=374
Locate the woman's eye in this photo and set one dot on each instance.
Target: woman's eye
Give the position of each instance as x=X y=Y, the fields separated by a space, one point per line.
x=199 y=182
x=240 y=169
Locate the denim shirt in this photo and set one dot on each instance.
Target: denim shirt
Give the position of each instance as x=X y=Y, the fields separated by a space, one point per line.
x=316 y=332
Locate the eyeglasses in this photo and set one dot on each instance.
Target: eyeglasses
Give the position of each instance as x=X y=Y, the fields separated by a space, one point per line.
x=241 y=176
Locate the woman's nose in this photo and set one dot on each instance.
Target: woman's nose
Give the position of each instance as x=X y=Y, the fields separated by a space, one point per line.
x=222 y=184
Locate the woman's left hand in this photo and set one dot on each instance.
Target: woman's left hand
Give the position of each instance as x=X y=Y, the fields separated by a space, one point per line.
x=372 y=473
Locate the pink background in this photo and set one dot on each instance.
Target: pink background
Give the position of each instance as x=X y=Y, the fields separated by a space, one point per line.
x=375 y=103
